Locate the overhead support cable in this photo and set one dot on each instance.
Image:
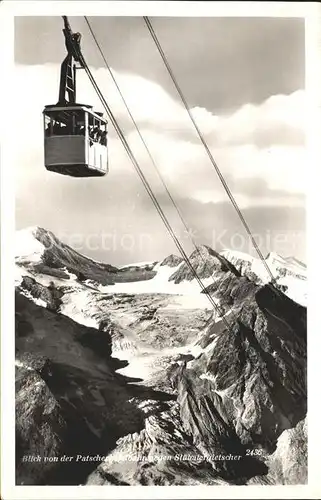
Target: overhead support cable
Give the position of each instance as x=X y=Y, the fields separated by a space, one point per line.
x=143 y=141
x=203 y=141
x=147 y=186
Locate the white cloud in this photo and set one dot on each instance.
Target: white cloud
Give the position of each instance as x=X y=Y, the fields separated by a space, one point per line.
x=278 y=120
x=257 y=141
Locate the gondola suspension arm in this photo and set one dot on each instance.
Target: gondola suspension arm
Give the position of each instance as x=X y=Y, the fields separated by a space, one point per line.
x=67 y=87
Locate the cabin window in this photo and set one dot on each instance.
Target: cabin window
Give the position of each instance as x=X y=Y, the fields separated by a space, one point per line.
x=54 y=126
x=97 y=131
x=78 y=123
x=65 y=123
x=48 y=126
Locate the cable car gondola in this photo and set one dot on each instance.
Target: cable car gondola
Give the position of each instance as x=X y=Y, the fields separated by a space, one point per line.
x=75 y=136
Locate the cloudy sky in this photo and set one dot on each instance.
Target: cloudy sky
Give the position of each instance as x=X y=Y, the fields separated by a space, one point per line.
x=244 y=81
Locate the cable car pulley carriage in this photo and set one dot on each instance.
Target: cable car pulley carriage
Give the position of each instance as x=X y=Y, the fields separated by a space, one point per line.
x=75 y=136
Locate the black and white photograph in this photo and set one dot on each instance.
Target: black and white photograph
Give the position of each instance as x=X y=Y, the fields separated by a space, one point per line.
x=160 y=251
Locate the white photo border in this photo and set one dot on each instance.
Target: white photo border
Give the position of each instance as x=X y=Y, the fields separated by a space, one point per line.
x=311 y=11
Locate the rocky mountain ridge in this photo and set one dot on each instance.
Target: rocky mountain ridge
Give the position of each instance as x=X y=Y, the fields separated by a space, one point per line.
x=157 y=376
x=41 y=253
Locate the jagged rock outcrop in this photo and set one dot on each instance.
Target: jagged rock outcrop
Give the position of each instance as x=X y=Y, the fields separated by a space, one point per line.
x=50 y=295
x=288 y=464
x=205 y=262
x=244 y=266
x=41 y=429
x=161 y=454
x=231 y=289
x=253 y=373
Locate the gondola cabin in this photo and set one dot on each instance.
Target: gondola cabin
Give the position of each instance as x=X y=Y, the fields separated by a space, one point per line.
x=75 y=140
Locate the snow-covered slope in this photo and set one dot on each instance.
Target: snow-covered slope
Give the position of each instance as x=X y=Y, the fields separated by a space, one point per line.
x=278 y=265
x=39 y=253
x=160 y=283
x=286 y=266
x=288 y=272
x=27 y=246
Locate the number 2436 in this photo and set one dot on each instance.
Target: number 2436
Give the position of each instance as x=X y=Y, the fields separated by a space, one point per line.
x=254 y=452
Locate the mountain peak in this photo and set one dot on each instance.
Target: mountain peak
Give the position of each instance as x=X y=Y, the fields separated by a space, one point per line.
x=204 y=261
x=204 y=249
x=27 y=244
x=35 y=231
x=172 y=260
